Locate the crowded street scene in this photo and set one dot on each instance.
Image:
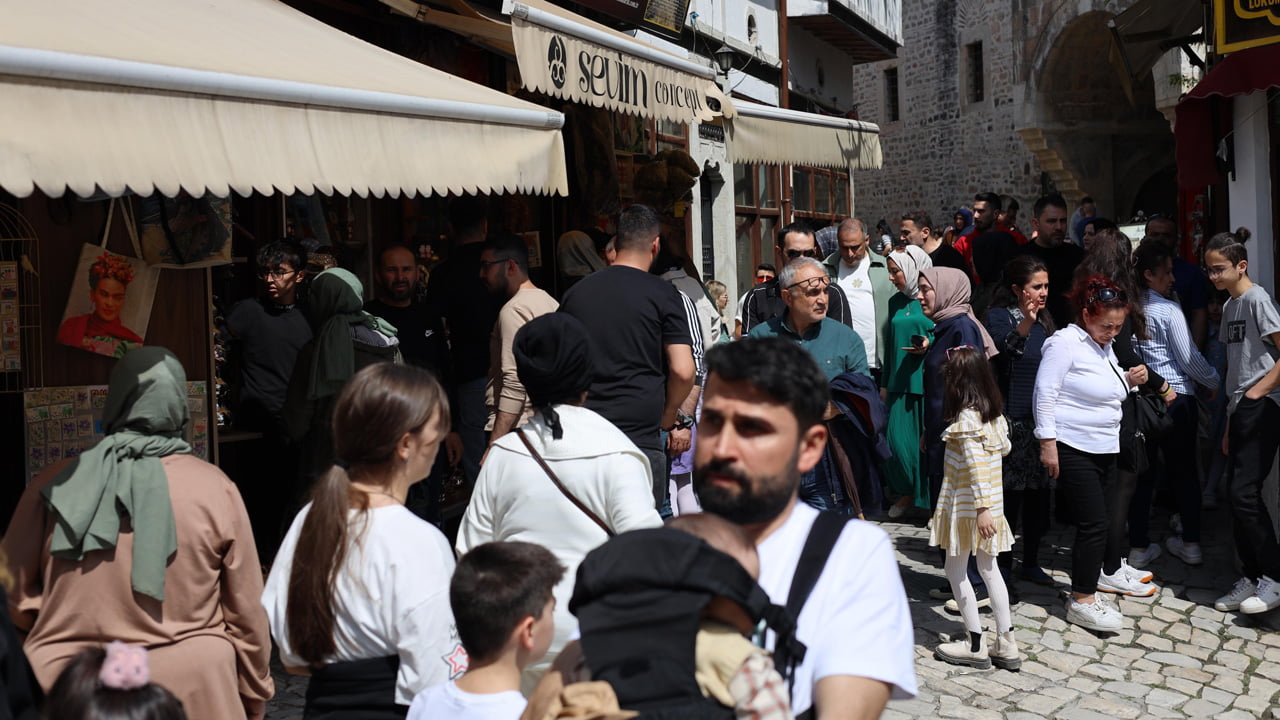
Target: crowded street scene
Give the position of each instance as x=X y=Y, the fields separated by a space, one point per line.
x=656 y=359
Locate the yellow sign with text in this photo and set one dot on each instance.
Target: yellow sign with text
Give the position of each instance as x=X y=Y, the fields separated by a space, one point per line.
x=1243 y=24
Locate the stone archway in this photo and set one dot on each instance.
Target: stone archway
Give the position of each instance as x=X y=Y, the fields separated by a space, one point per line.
x=1081 y=126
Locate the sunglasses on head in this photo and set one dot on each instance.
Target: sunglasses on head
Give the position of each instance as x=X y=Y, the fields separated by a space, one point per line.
x=959 y=347
x=792 y=253
x=1107 y=295
x=812 y=286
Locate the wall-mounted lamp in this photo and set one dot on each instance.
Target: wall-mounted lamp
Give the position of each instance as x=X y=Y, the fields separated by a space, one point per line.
x=724 y=58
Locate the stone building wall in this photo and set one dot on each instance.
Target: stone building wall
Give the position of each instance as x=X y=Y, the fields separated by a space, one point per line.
x=1042 y=60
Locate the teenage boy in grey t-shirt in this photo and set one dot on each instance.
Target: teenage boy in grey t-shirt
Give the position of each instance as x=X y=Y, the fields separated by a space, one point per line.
x=1248 y=322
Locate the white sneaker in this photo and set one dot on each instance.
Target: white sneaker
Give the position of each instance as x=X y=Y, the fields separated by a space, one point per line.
x=1096 y=616
x=1124 y=583
x=1142 y=576
x=1266 y=597
x=1242 y=590
x=1139 y=558
x=1189 y=554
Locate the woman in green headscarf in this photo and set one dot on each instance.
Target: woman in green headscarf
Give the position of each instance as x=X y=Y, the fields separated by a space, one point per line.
x=139 y=541
x=346 y=339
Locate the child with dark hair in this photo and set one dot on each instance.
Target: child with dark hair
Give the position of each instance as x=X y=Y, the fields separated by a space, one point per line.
x=111 y=683
x=970 y=515
x=503 y=607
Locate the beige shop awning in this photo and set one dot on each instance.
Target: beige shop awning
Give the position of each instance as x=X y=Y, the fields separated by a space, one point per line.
x=568 y=56
x=765 y=134
x=246 y=95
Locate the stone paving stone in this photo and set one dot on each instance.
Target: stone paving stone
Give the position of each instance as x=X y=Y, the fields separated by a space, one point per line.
x=1160 y=612
x=1235 y=714
x=1217 y=696
x=1038 y=668
x=1155 y=642
x=1114 y=706
x=1239 y=631
x=1151 y=625
x=1146 y=664
x=1146 y=678
x=1230 y=684
x=1173 y=603
x=1023 y=716
x=891 y=714
x=1127 y=689
x=982 y=685
x=1234 y=661
x=1084 y=685
x=1168 y=658
x=1078 y=713
x=965 y=712
x=1041 y=703
x=1165 y=698
x=1194 y=651
x=1063 y=662
x=1083 y=650
x=1104 y=672
x=1254 y=650
x=1052 y=639
x=1187 y=687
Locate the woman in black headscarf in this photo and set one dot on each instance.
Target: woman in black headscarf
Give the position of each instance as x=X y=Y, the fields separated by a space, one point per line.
x=601 y=485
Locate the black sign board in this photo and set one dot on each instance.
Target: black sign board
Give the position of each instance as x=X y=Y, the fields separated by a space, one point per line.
x=661 y=17
x=1242 y=24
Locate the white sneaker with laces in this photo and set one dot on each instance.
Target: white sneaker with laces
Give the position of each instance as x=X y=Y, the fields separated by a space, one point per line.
x=1189 y=554
x=1096 y=616
x=1242 y=590
x=1124 y=583
x=1265 y=597
x=1139 y=557
x=1142 y=576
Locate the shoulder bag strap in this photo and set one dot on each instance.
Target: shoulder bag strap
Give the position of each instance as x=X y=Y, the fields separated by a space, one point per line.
x=813 y=558
x=559 y=485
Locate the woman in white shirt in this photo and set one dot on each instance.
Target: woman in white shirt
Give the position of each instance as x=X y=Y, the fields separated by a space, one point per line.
x=1170 y=351
x=602 y=482
x=1078 y=394
x=359 y=594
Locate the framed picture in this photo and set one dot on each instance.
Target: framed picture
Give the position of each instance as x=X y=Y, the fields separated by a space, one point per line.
x=109 y=307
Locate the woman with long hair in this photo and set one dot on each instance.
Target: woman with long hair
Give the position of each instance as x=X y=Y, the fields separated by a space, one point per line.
x=1019 y=324
x=1078 y=395
x=903 y=380
x=1170 y=350
x=359 y=595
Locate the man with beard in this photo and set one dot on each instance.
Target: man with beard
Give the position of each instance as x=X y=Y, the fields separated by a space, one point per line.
x=419 y=330
x=1061 y=257
x=761 y=428
x=504 y=268
x=989 y=246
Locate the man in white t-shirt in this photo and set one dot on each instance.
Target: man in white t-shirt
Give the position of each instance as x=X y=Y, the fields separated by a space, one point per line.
x=864 y=278
x=761 y=428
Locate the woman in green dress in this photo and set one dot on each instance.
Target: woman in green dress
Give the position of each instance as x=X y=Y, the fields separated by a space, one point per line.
x=903 y=381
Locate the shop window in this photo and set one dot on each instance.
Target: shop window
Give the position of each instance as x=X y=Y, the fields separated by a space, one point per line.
x=755 y=195
x=820 y=196
x=975 y=74
x=892 y=111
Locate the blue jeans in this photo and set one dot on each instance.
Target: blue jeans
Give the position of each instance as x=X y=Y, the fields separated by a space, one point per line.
x=818 y=493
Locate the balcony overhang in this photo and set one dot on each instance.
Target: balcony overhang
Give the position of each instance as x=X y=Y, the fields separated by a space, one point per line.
x=840 y=25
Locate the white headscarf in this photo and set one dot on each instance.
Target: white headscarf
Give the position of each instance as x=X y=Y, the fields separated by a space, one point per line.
x=912 y=261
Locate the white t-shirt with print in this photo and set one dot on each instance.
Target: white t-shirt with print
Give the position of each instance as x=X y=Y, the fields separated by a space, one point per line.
x=856 y=621
x=448 y=701
x=856 y=283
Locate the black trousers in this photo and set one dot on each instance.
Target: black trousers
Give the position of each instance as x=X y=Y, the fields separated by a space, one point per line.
x=1254 y=440
x=1029 y=509
x=1175 y=455
x=1087 y=484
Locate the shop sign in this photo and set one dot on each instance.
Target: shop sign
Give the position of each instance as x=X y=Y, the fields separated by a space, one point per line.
x=661 y=17
x=1243 y=24
x=582 y=71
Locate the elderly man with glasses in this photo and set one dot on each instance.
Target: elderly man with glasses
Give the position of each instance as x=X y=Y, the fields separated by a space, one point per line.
x=836 y=348
x=765 y=300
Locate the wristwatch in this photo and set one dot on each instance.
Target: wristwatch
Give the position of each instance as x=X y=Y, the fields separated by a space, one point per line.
x=683 y=421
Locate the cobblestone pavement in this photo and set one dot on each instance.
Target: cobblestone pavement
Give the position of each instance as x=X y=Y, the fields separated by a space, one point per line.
x=1176 y=657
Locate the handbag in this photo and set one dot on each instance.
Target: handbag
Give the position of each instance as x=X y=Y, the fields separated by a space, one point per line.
x=559 y=485
x=1144 y=419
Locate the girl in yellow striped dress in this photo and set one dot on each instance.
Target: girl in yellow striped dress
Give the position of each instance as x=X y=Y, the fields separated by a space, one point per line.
x=970 y=515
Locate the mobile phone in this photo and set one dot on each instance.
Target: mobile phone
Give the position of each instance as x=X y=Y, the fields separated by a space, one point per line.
x=918 y=340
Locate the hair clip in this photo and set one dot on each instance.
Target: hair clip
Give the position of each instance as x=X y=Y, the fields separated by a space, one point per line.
x=125 y=667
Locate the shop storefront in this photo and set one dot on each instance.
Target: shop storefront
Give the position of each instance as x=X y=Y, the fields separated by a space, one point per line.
x=250 y=113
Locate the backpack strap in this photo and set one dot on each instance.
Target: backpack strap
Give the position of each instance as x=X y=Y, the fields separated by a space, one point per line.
x=813 y=558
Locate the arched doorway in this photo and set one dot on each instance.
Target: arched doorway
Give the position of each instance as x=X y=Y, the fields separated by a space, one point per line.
x=1087 y=135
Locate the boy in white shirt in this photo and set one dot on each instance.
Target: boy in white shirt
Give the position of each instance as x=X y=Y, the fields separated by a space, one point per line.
x=503 y=607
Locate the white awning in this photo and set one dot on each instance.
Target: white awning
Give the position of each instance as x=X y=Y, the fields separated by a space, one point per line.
x=568 y=56
x=765 y=134
x=246 y=96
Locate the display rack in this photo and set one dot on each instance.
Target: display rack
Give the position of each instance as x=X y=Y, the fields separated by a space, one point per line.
x=19 y=285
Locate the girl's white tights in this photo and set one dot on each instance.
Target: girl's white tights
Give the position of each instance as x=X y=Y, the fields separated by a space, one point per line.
x=956 y=567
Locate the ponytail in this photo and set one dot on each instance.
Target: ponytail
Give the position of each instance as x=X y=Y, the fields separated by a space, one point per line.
x=1231 y=245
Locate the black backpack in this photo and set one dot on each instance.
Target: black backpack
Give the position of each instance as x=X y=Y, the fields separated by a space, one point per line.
x=639 y=600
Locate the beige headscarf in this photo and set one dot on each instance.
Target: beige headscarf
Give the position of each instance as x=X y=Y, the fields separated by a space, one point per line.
x=951 y=298
x=576 y=253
